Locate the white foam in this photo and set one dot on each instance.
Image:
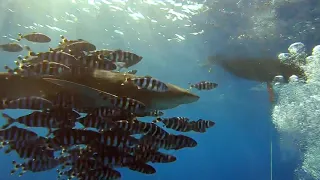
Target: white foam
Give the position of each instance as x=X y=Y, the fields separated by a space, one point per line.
x=297 y=118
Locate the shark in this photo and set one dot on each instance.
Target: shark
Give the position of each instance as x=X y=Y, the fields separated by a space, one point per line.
x=87 y=88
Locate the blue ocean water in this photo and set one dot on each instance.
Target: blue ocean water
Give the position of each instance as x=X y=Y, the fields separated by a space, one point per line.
x=172 y=37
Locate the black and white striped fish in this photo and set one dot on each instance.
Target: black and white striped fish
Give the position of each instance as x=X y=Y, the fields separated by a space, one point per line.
x=51 y=56
x=204 y=85
x=148 y=83
x=201 y=125
x=42 y=119
x=97 y=62
x=31 y=102
x=44 y=68
x=128 y=104
x=181 y=124
x=15 y=133
x=134 y=71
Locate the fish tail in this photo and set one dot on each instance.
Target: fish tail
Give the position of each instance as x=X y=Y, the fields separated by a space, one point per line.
x=9 y=120
x=158 y=119
x=20 y=58
x=7 y=151
x=18 y=63
x=9 y=70
x=60 y=174
x=30 y=52
x=100 y=57
x=190 y=86
x=20 y=36
x=4 y=103
x=27 y=48
x=49 y=132
x=3 y=144
x=63 y=39
x=127 y=79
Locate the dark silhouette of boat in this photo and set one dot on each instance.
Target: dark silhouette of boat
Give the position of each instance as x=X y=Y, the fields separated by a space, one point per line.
x=257 y=69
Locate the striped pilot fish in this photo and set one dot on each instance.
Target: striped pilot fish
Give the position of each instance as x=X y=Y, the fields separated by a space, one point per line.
x=124 y=59
x=44 y=68
x=148 y=83
x=51 y=56
x=30 y=102
x=34 y=37
x=204 y=85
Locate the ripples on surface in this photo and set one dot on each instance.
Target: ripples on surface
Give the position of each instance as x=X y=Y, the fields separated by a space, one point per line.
x=130 y=19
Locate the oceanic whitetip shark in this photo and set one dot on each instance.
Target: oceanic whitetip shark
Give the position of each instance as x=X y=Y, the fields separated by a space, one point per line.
x=257 y=69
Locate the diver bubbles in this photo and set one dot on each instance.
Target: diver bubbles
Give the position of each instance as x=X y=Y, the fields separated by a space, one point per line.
x=297 y=48
x=283 y=57
x=315 y=55
x=316 y=51
x=278 y=80
x=296 y=54
x=296 y=116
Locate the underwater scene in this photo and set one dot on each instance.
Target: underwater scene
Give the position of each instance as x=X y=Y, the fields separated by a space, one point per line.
x=160 y=89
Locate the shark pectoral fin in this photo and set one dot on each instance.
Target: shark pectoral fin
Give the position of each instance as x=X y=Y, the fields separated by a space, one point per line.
x=270 y=92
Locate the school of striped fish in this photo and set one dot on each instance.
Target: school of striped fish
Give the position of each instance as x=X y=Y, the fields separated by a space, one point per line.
x=91 y=142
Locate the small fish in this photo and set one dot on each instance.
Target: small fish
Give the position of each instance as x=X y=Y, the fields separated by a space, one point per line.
x=15 y=133
x=91 y=174
x=81 y=46
x=139 y=127
x=201 y=125
x=97 y=62
x=69 y=137
x=40 y=119
x=128 y=104
x=204 y=85
x=154 y=157
x=155 y=113
x=34 y=37
x=123 y=59
x=176 y=123
x=107 y=113
x=170 y=142
x=104 y=52
x=148 y=83
x=30 y=149
x=51 y=56
x=131 y=71
x=35 y=165
x=117 y=139
x=11 y=47
x=31 y=102
x=75 y=47
x=44 y=68
x=96 y=122
x=65 y=41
